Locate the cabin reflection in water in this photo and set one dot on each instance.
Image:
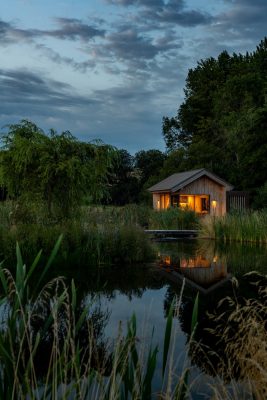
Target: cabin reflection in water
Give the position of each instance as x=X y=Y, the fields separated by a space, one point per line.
x=204 y=271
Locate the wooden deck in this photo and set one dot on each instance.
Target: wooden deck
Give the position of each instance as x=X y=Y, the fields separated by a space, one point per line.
x=172 y=233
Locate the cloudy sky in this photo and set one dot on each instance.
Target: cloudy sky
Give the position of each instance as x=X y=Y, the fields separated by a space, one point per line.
x=111 y=69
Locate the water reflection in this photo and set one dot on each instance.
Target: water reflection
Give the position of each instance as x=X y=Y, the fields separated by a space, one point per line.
x=200 y=263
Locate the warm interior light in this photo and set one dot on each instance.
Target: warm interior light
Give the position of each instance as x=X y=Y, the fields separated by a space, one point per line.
x=214 y=203
x=158 y=204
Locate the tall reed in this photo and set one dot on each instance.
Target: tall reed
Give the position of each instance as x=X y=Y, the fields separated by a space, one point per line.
x=241 y=227
x=173 y=218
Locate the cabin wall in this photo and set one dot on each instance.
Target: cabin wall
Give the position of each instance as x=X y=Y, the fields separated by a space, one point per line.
x=156 y=201
x=161 y=201
x=206 y=186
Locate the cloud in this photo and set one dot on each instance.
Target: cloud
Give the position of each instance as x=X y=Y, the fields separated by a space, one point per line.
x=24 y=92
x=133 y=53
x=73 y=29
x=69 y=29
x=244 y=20
x=10 y=34
x=81 y=66
x=172 y=12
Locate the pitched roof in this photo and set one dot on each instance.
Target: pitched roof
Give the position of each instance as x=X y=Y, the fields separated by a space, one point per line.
x=177 y=181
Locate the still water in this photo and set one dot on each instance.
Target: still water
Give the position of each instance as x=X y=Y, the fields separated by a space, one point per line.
x=147 y=291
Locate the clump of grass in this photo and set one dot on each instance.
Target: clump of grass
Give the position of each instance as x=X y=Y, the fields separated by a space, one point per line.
x=173 y=218
x=129 y=215
x=241 y=227
x=241 y=332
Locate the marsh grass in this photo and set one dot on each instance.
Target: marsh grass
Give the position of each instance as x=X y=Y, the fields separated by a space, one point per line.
x=241 y=227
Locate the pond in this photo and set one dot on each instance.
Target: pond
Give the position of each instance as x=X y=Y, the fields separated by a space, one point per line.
x=148 y=290
x=183 y=269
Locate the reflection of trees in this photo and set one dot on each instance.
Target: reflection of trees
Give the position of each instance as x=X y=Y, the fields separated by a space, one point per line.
x=89 y=338
x=131 y=281
x=100 y=283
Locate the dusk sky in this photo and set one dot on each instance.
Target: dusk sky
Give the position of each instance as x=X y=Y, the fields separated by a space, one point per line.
x=111 y=69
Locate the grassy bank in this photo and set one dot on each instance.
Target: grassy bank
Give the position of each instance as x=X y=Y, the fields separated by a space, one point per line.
x=241 y=227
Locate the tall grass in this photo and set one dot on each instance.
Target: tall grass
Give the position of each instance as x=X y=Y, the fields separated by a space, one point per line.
x=241 y=227
x=241 y=330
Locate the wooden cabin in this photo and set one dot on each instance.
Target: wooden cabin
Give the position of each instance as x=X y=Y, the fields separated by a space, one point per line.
x=198 y=190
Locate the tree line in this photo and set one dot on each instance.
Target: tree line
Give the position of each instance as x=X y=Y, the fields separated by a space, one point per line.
x=222 y=123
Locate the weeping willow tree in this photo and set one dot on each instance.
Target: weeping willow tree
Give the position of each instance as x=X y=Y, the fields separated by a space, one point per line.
x=55 y=169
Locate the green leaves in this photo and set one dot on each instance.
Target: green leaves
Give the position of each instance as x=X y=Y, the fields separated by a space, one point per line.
x=58 y=169
x=222 y=122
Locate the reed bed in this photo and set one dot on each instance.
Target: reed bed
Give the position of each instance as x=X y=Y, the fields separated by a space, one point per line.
x=241 y=227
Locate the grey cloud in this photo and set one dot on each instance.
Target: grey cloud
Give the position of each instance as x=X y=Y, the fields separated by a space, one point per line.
x=54 y=56
x=69 y=29
x=128 y=44
x=73 y=29
x=161 y=12
x=128 y=3
x=245 y=19
x=10 y=34
x=24 y=90
x=136 y=51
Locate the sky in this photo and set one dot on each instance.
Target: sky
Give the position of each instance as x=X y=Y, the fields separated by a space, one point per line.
x=111 y=69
